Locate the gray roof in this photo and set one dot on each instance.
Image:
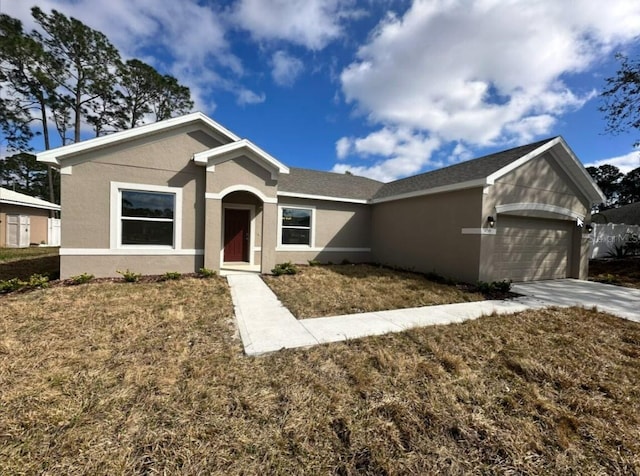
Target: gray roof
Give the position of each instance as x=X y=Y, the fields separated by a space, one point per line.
x=463 y=172
x=328 y=184
x=626 y=214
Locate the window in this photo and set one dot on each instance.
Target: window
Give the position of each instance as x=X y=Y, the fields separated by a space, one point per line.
x=296 y=226
x=145 y=216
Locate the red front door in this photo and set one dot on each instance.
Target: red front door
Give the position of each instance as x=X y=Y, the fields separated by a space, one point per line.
x=236 y=235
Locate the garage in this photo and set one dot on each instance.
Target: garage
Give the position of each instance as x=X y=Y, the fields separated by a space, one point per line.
x=533 y=248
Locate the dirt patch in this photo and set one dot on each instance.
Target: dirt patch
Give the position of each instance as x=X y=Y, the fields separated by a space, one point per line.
x=23 y=268
x=619 y=271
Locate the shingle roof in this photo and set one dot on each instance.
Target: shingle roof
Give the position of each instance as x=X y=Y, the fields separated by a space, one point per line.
x=463 y=172
x=328 y=184
x=626 y=214
x=16 y=198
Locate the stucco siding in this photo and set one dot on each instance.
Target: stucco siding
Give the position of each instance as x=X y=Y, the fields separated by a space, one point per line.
x=335 y=257
x=108 y=265
x=241 y=171
x=425 y=233
x=165 y=161
x=337 y=224
x=540 y=180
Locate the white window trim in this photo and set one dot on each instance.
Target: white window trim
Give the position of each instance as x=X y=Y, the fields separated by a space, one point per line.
x=252 y=236
x=311 y=245
x=115 y=224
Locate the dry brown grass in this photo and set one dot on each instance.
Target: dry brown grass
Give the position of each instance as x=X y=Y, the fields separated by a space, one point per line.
x=622 y=272
x=118 y=378
x=331 y=290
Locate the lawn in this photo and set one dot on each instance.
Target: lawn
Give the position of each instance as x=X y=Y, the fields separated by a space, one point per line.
x=117 y=378
x=331 y=290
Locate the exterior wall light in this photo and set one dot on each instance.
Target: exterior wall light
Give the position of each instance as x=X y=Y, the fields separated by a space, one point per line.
x=491 y=221
x=589 y=227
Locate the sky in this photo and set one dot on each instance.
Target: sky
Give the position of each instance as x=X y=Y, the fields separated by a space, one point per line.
x=383 y=88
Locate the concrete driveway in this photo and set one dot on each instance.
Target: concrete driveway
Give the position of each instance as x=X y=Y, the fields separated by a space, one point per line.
x=622 y=302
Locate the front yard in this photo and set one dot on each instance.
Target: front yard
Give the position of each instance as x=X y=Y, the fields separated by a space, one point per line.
x=330 y=290
x=120 y=378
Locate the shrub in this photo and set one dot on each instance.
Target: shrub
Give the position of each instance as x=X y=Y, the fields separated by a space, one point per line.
x=618 y=251
x=438 y=278
x=607 y=278
x=313 y=262
x=38 y=281
x=81 y=278
x=172 y=275
x=9 y=285
x=285 y=268
x=503 y=286
x=345 y=261
x=206 y=273
x=129 y=276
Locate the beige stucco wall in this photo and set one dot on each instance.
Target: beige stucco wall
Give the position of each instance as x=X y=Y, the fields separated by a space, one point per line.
x=38 y=219
x=161 y=159
x=241 y=171
x=425 y=233
x=540 y=181
x=108 y=265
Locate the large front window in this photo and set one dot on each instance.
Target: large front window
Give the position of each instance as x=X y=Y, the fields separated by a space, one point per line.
x=296 y=226
x=147 y=218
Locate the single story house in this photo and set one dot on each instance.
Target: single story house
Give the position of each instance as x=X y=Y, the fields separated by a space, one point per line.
x=24 y=220
x=186 y=192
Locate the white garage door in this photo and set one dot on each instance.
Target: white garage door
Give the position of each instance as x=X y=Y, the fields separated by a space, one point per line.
x=532 y=248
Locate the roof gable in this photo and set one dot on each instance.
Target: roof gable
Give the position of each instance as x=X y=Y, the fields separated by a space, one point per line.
x=241 y=148
x=486 y=170
x=58 y=156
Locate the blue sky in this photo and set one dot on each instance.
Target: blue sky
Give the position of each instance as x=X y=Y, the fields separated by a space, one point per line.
x=383 y=88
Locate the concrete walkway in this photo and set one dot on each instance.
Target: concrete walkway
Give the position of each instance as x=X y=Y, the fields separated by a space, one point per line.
x=266 y=325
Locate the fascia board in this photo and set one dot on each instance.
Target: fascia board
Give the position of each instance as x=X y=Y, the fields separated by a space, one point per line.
x=522 y=160
x=30 y=205
x=55 y=156
x=234 y=149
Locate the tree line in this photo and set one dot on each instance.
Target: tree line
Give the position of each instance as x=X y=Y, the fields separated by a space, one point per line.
x=618 y=188
x=64 y=78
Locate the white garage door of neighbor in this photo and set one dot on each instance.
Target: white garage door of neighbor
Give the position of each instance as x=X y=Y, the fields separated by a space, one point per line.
x=532 y=248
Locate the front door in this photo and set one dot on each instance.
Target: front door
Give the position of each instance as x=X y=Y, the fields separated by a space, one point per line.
x=236 y=235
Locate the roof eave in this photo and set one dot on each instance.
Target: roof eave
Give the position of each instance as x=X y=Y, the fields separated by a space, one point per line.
x=237 y=148
x=55 y=156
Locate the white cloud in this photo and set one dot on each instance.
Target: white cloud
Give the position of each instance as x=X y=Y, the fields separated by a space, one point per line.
x=486 y=72
x=309 y=23
x=246 y=96
x=185 y=39
x=286 y=68
x=625 y=163
x=397 y=153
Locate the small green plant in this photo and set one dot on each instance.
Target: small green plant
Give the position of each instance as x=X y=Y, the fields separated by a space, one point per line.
x=81 y=278
x=607 y=278
x=206 y=273
x=38 y=281
x=503 y=286
x=285 y=268
x=9 y=285
x=172 y=275
x=313 y=262
x=345 y=261
x=129 y=276
x=618 y=251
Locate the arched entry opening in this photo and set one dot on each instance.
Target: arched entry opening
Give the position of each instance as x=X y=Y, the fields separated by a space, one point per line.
x=242 y=220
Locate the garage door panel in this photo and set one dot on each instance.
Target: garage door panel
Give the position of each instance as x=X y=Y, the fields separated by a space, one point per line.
x=532 y=248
